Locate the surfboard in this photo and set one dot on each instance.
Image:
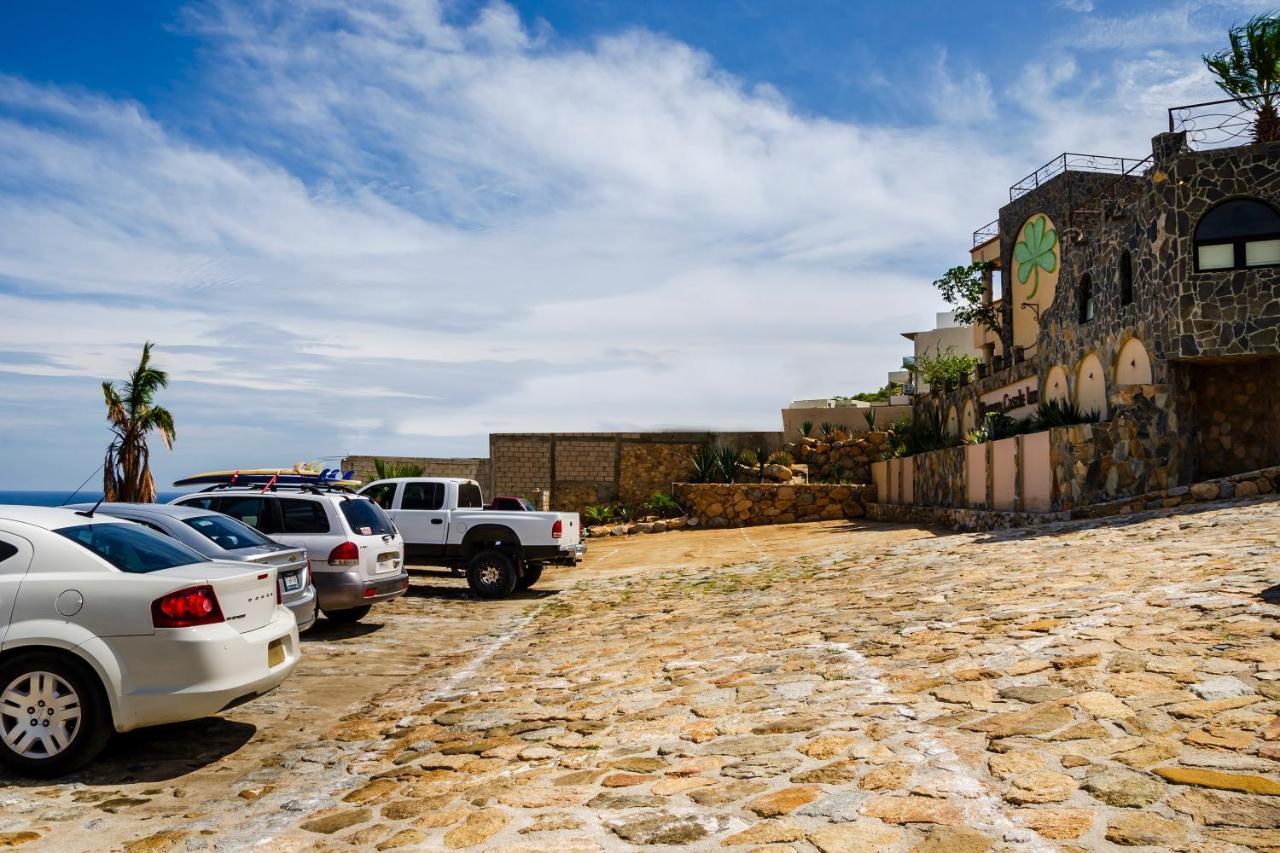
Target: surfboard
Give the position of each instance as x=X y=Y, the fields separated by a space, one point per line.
x=296 y=476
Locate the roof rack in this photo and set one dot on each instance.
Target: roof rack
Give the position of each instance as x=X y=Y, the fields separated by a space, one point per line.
x=318 y=488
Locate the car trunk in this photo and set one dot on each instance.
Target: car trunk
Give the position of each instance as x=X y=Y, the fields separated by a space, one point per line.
x=289 y=563
x=247 y=598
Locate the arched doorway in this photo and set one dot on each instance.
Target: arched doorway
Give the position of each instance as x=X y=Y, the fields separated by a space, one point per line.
x=1091 y=386
x=1133 y=364
x=1055 y=384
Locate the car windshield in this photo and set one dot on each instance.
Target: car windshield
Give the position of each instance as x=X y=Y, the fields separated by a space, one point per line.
x=366 y=518
x=226 y=532
x=131 y=547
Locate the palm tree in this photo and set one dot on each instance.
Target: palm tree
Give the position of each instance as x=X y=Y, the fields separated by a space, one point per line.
x=132 y=413
x=1250 y=68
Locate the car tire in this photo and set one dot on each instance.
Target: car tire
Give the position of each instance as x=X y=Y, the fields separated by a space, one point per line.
x=349 y=615
x=492 y=574
x=532 y=571
x=58 y=687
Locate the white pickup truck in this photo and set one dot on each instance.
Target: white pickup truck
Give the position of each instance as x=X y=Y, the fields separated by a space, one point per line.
x=444 y=523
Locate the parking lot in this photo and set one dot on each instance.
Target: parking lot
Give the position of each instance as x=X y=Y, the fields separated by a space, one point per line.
x=830 y=687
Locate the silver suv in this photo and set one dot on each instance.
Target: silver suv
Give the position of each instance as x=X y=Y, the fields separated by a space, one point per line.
x=357 y=555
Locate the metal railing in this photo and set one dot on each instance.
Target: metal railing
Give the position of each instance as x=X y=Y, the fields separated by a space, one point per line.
x=986 y=233
x=1217 y=124
x=1070 y=162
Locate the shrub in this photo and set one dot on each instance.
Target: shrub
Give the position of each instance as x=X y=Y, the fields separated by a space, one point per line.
x=1056 y=413
x=598 y=514
x=945 y=368
x=663 y=505
x=390 y=470
x=781 y=457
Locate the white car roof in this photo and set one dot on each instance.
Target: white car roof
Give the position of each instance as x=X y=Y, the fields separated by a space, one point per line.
x=51 y=517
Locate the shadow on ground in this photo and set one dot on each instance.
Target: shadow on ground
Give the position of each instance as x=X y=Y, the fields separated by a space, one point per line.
x=157 y=754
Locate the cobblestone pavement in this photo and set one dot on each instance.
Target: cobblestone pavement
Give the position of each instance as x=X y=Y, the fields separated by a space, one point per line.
x=1062 y=688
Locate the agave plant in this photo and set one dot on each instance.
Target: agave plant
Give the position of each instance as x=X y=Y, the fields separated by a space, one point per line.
x=390 y=470
x=728 y=459
x=827 y=428
x=1056 y=413
x=781 y=457
x=1250 y=69
x=806 y=428
x=706 y=464
x=869 y=415
x=598 y=513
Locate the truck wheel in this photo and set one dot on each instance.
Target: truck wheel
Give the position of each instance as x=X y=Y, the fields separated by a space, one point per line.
x=53 y=717
x=349 y=615
x=491 y=574
x=532 y=571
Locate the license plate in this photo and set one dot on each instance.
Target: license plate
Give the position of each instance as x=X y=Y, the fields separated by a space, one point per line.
x=292 y=583
x=388 y=562
x=275 y=653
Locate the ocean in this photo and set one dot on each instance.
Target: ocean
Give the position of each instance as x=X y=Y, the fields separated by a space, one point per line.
x=59 y=497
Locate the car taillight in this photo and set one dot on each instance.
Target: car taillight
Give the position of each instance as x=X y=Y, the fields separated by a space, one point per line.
x=197 y=605
x=557 y=529
x=306 y=574
x=346 y=554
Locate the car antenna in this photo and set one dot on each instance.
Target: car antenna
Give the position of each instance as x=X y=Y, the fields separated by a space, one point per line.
x=88 y=513
x=81 y=486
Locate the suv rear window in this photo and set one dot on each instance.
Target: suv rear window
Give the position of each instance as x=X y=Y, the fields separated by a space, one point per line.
x=366 y=518
x=302 y=516
x=131 y=547
x=422 y=496
x=227 y=533
x=469 y=496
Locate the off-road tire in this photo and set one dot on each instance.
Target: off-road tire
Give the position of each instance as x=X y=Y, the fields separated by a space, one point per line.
x=492 y=574
x=91 y=732
x=349 y=615
x=532 y=571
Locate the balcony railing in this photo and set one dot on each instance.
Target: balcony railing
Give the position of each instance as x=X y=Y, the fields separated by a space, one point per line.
x=1070 y=163
x=1217 y=124
x=986 y=233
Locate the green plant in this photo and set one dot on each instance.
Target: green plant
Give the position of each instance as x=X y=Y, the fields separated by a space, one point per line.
x=921 y=435
x=728 y=459
x=1250 y=68
x=806 y=428
x=870 y=417
x=946 y=368
x=706 y=465
x=827 y=428
x=663 y=505
x=598 y=513
x=389 y=470
x=879 y=396
x=781 y=457
x=1056 y=413
x=1034 y=252
x=965 y=288
x=132 y=414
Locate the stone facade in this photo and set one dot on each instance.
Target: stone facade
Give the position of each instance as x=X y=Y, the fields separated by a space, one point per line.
x=845 y=459
x=471 y=468
x=715 y=505
x=577 y=470
x=1235 y=410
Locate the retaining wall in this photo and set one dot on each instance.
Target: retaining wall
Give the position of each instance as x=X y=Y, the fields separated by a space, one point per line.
x=747 y=504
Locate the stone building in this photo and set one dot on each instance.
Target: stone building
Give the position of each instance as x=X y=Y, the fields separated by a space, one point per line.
x=1145 y=290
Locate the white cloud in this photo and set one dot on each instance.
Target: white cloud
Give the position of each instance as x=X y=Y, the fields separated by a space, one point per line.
x=385 y=231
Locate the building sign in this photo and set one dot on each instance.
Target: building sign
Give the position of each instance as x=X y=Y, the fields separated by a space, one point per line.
x=1012 y=399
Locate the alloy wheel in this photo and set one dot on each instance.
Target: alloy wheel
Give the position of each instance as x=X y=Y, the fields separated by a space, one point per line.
x=39 y=715
x=490 y=573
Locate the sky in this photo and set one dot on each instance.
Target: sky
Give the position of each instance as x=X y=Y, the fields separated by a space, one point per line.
x=396 y=226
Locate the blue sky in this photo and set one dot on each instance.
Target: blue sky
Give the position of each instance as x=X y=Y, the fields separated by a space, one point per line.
x=395 y=226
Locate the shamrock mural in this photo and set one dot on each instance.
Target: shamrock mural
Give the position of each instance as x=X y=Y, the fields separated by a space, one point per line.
x=1037 y=250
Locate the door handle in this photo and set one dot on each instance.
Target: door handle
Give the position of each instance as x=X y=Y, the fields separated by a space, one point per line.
x=437 y=521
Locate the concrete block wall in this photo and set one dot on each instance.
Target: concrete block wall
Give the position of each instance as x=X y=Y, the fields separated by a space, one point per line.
x=472 y=468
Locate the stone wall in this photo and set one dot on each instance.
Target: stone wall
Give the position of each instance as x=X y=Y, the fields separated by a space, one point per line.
x=938 y=478
x=477 y=469
x=747 y=505
x=1235 y=408
x=845 y=459
x=578 y=470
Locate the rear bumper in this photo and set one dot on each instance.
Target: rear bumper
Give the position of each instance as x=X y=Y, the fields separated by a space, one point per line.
x=345 y=590
x=189 y=673
x=563 y=555
x=303 y=607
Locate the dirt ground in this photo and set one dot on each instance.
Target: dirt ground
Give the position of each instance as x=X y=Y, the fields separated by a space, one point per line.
x=819 y=687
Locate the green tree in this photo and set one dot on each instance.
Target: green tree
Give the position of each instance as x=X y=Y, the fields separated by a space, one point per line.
x=964 y=288
x=132 y=414
x=1250 y=68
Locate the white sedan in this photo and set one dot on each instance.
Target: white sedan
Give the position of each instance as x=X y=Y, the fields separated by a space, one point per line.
x=108 y=626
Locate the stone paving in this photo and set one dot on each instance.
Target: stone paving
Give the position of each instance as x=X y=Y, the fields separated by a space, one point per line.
x=1068 y=687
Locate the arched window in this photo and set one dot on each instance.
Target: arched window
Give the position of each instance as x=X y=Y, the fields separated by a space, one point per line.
x=1237 y=235
x=1133 y=364
x=1091 y=386
x=1126 y=278
x=1086 y=299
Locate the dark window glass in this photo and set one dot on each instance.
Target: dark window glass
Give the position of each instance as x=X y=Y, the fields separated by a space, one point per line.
x=300 y=516
x=469 y=496
x=1237 y=235
x=1126 y=278
x=131 y=547
x=366 y=518
x=1086 y=299
x=7 y=551
x=422 y=496
x=382 y=494
x=250 y=509
x=227 y=533
x=202 y=503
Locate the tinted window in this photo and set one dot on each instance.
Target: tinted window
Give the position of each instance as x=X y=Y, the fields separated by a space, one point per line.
x=299 y=516
x=227 y=533
x=131 y=548
x=366 y=518
x=6 y=551
x=202 y=503
x=423 y=496
x=382 y=494
x=469 y=496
